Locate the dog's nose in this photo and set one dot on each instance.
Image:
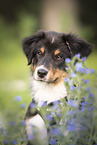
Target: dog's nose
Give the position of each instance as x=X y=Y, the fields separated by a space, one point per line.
x=42 y=73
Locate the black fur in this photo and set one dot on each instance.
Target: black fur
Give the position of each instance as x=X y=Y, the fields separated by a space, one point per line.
x=76 y=44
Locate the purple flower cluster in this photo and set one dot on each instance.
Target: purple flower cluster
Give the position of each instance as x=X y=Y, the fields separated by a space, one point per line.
x=5 y=141
x=72 y=103
x=18 y=98
x=14 y=142
x=53 y=142
x=55 y=131
x=49 y=117
x=79 y=67
x=76 y=118
x=72 y=126
x=67 y=60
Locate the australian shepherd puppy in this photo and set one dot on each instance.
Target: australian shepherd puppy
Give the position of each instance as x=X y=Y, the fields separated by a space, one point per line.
x=46 y=53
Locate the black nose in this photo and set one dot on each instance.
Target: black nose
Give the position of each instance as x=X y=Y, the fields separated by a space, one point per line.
x=42 y=73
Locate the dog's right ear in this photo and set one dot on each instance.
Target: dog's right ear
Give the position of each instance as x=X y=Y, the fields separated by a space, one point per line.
x=29 y=44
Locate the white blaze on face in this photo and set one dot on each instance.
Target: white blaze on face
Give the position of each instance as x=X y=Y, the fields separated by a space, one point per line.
x=52 y=39
x=36 y=77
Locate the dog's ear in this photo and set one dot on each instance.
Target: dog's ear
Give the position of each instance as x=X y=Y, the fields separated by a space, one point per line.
x=29 y=44
x=77 y=45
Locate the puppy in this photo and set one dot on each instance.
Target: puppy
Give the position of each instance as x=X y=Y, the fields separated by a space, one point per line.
x=46 y=53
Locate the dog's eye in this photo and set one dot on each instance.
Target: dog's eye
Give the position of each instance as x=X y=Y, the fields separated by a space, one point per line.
x=39 y=52
x=58 y=57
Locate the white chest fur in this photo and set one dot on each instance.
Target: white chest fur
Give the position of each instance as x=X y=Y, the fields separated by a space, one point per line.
x=42 y=91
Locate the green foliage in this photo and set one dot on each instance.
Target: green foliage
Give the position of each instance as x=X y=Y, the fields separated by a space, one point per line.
x=78 y=115
x=11 y=54
x=75 y=115
x=13 y=73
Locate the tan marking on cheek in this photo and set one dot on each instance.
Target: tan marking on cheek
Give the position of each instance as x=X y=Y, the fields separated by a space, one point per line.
x=61 y=74
x=56 y=52
x=33 y=67
x=32 y=61
x=51 y=75
x=42 y=50
x=57 y=73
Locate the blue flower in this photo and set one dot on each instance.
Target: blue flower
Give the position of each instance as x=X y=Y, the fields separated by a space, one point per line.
x=85 y=98
x=55 y=131
x=1 y=128
x=14 y=142
x=4 y=132
x=33 y=105
x=23 y=122
x=90 y=108
x=53 y=113
x=18 y=98
x=83 y=128
x=5 y=141
x=67 y=60
x=58 y=114
x=44 y=104
x=91 y=114
x=56 y=104
x=84 y=103
x=72 y=127
x=92 y=71
x=71 y=112
x=72 y=87
x=23 y=105
x=77 y=55
x=67 y=67
x=72 y=103
x=23 y=139
x=66 y=79
x=86 y=71
x=82 y=109
x=73 y=74
x=79 y=67
x=12 y=123
x=48 y=117
x=30 y=137
x=87 y=81
x=84 y=59
x=53 y=142
x=70 y=82
x=88 y=89
x=91 y=94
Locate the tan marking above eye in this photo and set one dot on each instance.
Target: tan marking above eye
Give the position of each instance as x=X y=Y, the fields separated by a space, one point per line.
x=42 y=50
x=56 y=52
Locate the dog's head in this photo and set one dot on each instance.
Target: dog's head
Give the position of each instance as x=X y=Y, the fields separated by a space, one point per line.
x=46 y=53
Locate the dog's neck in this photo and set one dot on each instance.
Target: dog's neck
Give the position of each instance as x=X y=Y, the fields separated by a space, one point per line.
x=42 y=91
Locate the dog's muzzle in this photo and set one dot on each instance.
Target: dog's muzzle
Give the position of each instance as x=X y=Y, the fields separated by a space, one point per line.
x=43 y=74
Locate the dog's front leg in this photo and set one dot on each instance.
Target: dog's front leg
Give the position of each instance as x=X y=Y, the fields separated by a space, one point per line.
x=35 y=127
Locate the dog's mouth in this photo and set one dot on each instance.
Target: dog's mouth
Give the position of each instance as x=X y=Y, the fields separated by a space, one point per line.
x=46 y=81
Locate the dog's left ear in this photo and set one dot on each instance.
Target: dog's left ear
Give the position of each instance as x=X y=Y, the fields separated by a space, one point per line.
x=29 y=45
x=77 y=45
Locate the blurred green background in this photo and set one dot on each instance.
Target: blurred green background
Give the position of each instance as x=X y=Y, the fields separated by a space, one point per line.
x=21 y=18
